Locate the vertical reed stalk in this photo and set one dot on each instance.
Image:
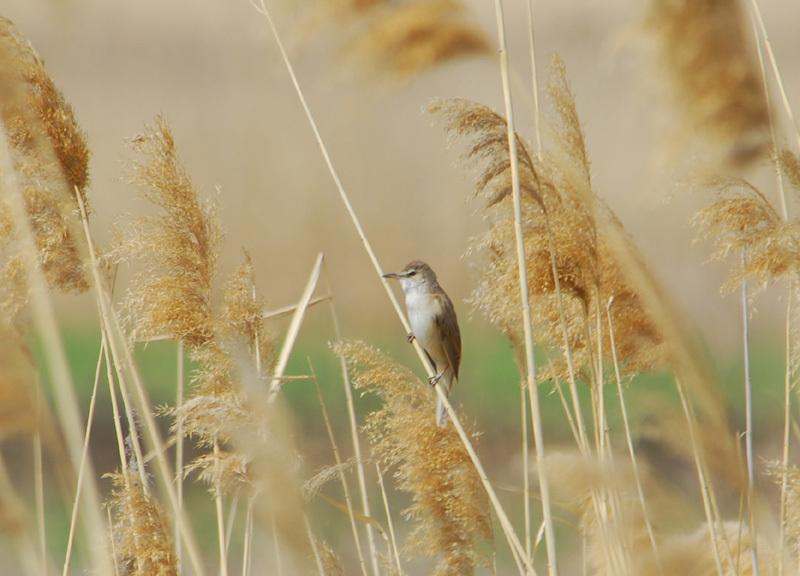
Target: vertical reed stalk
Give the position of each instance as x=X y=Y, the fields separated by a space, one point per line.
x=351 y=414
x=526 y=496
x=116 y=341
x=393 y=540
x=508 y=530
x=701 y=474
x=38 y=481
x=179 y=445
x=348 y=500
x=748 y=395
x=629 y=440
x=530 y=362
x=58 y=367
x=218 y=505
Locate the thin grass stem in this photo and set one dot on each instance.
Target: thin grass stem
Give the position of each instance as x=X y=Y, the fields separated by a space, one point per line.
x=38 y=480
x=701 y=473
x=756 y=10
x=179 y=443
x=84 y=461
x=748 y=403
x=116 y=341
x=342 y=478
x=58 y=368
x=530 y=362
x=392 y=538
x=629 y=440
x=351 y=414
x=248 y=539
x=526 y=496
x=294 y=330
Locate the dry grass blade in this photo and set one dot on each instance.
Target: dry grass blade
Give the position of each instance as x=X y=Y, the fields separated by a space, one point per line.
x=294 y=328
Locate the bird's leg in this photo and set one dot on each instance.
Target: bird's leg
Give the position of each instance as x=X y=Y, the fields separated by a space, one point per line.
x=434 y=380
x=410 y=337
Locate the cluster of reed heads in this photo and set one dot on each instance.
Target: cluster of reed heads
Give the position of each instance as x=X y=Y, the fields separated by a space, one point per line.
x=557 y=271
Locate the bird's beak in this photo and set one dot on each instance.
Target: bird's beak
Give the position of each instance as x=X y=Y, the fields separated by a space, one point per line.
x=391 y=275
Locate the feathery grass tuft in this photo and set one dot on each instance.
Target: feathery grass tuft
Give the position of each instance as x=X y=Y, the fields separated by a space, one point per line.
x=449 y=504
x=178 y=246
x=142 y=542
x=49 y=155
x=409 y=38
x=716 y=83
x=741 y=217
x=561 y=211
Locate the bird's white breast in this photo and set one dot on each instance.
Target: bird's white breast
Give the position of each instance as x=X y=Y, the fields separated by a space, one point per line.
x=423 y=308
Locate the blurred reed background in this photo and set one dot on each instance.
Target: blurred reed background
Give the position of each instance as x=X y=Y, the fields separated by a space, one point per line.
x=208 y=78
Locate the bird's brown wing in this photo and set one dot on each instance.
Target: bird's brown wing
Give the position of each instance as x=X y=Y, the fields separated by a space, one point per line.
x=447 y=323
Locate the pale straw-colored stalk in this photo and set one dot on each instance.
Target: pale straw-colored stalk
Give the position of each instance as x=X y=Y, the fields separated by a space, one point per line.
x=530 y=363
x=629 y=440
x=179 y=444
x=748 y=410
x=342 y=478
x=756 y=10
x=84 y=461
x=351 y=413
x=248 y=539
x=56 y=360
x=392 y=539
x=220 y=512
x=32 y=564
x=122 y=356
x=294 y=329
x=38 y=480
x=508 y=531
x=702 y=475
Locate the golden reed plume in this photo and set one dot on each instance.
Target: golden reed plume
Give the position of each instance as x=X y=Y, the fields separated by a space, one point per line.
x=448 y=502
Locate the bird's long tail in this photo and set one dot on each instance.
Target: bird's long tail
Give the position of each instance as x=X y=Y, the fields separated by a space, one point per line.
x=441 y=412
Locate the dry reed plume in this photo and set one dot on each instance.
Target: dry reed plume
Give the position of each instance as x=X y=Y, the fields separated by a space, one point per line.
x=50 y=158
x=404 y=39
x=171 y=295
x=742 y=218
x=141 y=539
x=448 y=502
x=559 y=207
x=716 y=84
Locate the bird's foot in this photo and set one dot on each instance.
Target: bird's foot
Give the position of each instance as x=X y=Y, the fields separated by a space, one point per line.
x=434 y=380
x=410 y=337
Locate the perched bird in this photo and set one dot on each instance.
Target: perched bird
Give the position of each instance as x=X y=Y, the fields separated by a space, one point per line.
x=434 y=325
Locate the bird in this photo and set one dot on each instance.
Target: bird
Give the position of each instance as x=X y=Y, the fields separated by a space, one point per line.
x=434 y=325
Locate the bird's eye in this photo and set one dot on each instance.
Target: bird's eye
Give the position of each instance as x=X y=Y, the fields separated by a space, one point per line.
x=412 y=272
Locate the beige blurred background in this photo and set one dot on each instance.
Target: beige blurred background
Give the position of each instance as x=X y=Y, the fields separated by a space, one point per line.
x=213 y=69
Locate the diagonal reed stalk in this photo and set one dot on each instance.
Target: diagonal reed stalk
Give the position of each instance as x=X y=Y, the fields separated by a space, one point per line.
x=55 y=357
x=345 y=487
x=393 y=540
x=84 y=457
x=508 y=530
x=294 y=330
x=351 y=413
x=629 y=440
x=122 y=356
x=530 y=363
